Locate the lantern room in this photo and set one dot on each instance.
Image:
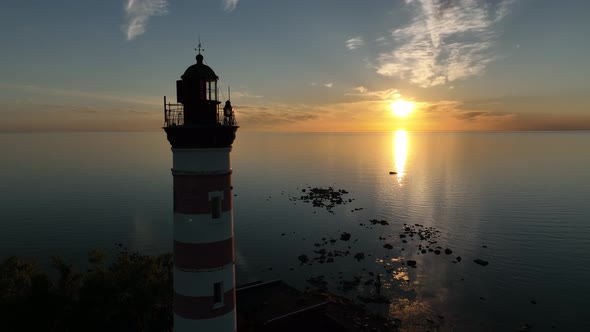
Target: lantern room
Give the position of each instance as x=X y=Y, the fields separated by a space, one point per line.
x=197 y=91
x=197 y=119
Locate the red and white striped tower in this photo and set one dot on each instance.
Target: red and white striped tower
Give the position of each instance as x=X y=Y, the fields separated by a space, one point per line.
x=201 y=135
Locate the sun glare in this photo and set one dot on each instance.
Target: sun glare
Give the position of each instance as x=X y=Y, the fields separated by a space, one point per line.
x=402 y=107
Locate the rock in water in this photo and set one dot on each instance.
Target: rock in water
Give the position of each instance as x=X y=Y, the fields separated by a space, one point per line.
x=345 y=236
x=481 y=262
x=411 y=263
x=448 y=251
x=303 y=258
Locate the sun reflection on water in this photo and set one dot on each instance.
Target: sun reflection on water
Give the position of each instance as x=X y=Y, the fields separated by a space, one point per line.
x=400 y=143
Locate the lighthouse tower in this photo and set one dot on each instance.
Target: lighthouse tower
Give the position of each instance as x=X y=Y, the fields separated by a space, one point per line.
x=201 y=135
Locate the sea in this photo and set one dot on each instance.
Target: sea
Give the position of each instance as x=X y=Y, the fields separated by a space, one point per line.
x=517 y=200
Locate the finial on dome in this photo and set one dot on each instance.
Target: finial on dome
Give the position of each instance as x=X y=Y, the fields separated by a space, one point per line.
x=199 y=55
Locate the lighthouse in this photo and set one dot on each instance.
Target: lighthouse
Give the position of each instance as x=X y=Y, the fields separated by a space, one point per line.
x=201 y=134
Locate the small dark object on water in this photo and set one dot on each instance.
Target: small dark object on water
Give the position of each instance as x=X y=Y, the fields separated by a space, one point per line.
x=378 y=285
x=303 y=258
x=345 y=236
x=359 y=255
x=525 y=328
x=411 y=263
x=458 y=258
x=448 y=251
x=484 y=246
x=282 y=234
x=482 y=298
x=392 y=173
x=533 y=302
x=380 y=222
x=387 y=246
x=481 y=262
x=437 y=252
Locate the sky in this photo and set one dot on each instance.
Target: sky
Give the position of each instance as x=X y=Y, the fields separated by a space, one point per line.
x=306 y=65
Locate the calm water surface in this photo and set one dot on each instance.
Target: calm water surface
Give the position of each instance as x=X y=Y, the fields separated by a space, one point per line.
x=525 y=196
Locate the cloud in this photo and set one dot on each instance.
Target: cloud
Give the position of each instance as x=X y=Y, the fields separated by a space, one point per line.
x=466 y=112
x=138 y=14
x=244 y=94
x=329 y=85
x=380 y=95
x=361 y=89
x=230 y=5
x=35 y=90
x=354 y=43
x=274 y=114
x=447 y=40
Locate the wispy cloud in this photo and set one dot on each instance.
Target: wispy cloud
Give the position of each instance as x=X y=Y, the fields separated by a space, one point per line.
x=446 y=40
x=138 y=14
x=274 y=114
x=36 y=90
x=230 y=5
x=380 y=95
x=361 y=89
x=329 y=85
x=354 y=43
x=244 y=94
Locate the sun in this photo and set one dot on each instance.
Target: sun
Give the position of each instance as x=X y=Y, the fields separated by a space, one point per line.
x=402 y=107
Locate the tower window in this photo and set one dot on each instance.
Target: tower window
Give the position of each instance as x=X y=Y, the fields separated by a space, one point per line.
x=218 y=292
x=215 y=207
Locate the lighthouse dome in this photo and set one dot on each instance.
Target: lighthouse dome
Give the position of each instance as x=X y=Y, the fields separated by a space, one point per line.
x=199 y=71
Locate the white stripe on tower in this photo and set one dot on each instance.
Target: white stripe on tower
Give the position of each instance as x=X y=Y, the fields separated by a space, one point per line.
x=204 y=270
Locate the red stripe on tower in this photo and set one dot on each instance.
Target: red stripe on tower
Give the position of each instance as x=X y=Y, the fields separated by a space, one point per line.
x=204 y=269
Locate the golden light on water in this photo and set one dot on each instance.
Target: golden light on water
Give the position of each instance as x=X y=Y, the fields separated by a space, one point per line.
x=400 y=144
x=402 y=107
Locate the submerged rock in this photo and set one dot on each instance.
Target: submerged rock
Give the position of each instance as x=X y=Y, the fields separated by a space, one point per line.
x=345 y=236
x=303 y=258
x=359 y=255
x=379 y=222
x=320 y=197
x=411 y=263
x=480 y=262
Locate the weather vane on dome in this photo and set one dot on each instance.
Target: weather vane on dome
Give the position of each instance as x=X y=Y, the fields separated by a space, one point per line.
x=199 y=48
